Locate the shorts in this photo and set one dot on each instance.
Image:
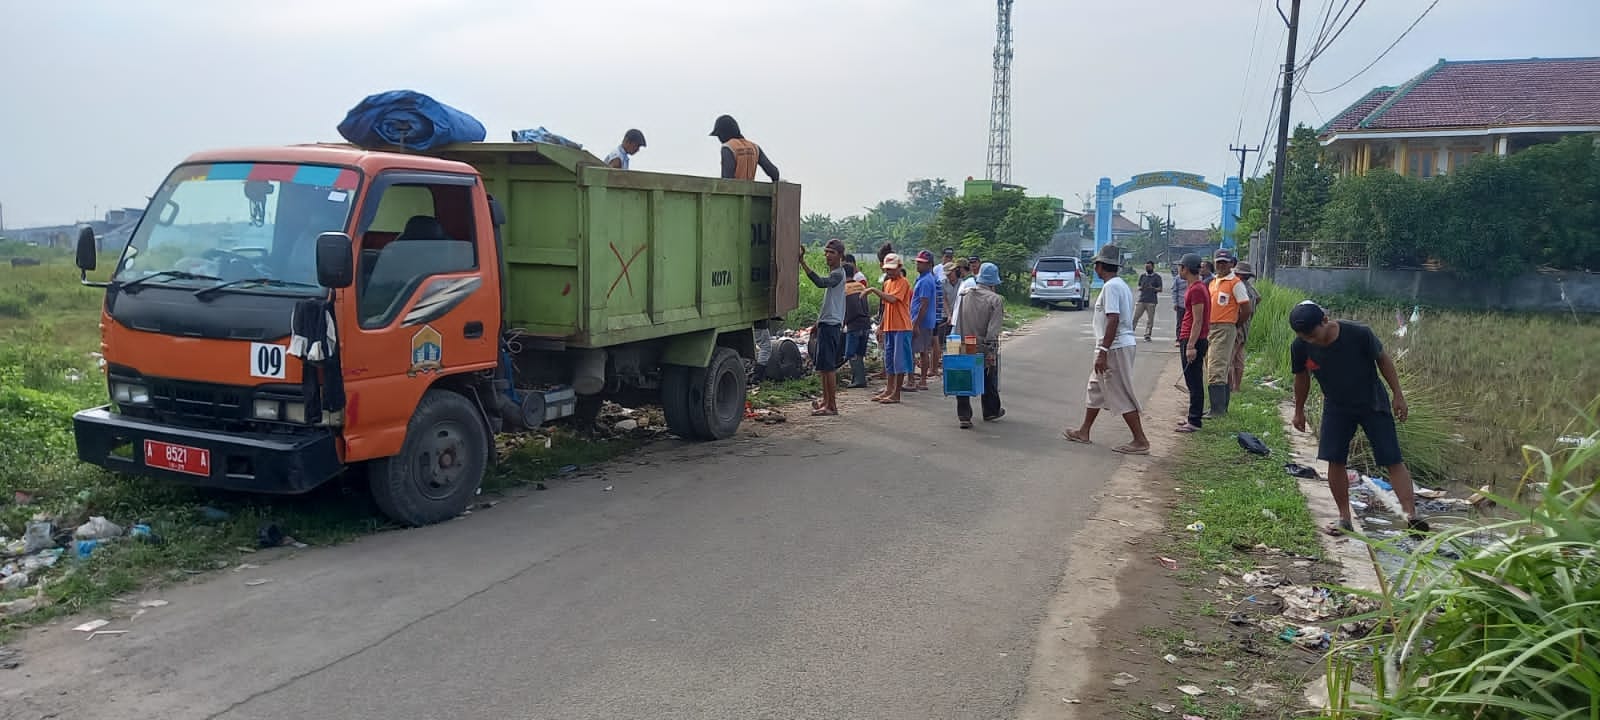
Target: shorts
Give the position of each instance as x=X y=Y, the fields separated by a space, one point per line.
x=922 y=340
x=830 y=340
x=897 y=352
x=855 y=344
x=1339 y=428
x=939 y=334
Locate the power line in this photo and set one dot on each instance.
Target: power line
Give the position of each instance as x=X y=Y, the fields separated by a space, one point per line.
x=1317 y=52
x=1381 y=55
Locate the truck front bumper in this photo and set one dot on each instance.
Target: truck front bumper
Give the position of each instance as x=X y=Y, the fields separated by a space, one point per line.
x=263 y=463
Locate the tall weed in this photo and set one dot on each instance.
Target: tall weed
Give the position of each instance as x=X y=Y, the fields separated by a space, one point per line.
x=1510 y=630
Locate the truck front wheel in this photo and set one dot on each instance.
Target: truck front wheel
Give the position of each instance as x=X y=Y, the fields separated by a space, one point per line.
x=440 y=465
x=717 y=396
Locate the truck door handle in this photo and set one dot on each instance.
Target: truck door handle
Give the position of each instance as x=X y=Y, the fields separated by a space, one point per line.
x=473 y=330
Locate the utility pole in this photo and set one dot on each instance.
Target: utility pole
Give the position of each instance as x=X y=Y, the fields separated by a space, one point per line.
x=1243 y=151
x=1269 y=259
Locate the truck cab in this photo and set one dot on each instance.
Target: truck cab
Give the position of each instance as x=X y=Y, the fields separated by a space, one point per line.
x=282 y=314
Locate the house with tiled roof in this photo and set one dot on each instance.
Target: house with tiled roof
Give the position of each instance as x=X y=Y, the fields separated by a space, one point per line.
x=1459 y=109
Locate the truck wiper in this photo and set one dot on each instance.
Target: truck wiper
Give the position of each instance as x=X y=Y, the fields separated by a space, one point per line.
x=174 y=274
x=205 y=292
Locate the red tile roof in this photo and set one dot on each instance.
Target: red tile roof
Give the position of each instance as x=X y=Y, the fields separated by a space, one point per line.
x=1483 y=93
x=1119 y=223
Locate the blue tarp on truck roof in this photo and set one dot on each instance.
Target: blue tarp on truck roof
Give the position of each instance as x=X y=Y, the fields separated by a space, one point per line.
x=410 y=120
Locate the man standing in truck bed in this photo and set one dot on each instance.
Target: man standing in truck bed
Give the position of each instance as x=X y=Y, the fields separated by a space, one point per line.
x=740 y=157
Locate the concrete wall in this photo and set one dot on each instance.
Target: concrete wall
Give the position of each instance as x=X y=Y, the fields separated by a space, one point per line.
x=1554 y=291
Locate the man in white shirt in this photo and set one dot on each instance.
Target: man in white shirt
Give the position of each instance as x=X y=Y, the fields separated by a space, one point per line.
x=632 y=142
x=1111 y=383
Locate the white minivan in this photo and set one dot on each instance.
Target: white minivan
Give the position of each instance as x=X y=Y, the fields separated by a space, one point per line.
x=1058 y=280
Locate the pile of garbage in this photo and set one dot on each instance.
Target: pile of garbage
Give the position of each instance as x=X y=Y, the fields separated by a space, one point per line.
x=25 y=560
x=618 y=421
x=1301 y=614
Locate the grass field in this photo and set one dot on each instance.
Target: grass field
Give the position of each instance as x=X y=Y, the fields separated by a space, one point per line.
x=1480 y=385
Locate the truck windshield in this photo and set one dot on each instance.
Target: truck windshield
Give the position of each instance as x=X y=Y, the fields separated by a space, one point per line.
x=226 y=222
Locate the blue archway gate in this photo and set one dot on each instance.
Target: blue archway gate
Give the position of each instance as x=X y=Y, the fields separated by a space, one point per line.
x=1105 y=194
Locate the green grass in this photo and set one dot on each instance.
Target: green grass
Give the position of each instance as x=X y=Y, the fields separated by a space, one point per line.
x=1226 y=488
x=777 y=393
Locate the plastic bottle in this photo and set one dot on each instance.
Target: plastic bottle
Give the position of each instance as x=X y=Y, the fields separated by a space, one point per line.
x=952 y=344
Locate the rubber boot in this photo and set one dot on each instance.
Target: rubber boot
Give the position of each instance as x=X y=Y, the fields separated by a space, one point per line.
x=1227 y=398
x=858 y=372
x=1217 y=395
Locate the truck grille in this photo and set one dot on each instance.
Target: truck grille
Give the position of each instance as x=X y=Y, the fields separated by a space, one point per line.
x=198 y=401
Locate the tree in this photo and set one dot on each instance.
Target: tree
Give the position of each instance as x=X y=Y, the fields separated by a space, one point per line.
x=1389 y=213
x=1005 y=228
x=816 y=229
x=1306 y=187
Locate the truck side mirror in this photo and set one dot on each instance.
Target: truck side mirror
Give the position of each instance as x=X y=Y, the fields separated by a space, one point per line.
x=335 y=260
x=88 y=251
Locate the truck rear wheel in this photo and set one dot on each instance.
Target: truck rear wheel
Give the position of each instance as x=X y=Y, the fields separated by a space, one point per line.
x=717 y=396
x=675 y=399
x=440 y=465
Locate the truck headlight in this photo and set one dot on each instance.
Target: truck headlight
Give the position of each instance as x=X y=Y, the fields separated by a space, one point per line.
x=294 y=412
x=266 y=409
x=127 y=393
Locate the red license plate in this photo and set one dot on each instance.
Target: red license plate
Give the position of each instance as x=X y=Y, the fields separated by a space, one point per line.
x=1055 y=283
x=178 y=458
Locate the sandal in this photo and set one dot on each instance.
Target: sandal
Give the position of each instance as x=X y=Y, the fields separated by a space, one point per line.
x=1129 y=449
x=1340 y=528
x=1186 y=428
x=966 y=424
x=823 y=412
x=1072 y=436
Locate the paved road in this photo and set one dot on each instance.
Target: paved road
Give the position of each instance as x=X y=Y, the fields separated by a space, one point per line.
x=883 y=564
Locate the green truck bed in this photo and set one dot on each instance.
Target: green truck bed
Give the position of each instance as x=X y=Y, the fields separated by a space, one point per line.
x=600 y=257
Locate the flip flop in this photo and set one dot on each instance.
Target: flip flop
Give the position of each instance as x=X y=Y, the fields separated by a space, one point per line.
x=888 y=402
x=1072 y=436
x=819 y=412
x=1131 y=450
x=1186 y=428
x=966 y=424
x=1339 y=529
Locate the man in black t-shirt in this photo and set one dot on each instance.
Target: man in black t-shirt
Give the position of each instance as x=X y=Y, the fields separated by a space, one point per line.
x=1346 y=357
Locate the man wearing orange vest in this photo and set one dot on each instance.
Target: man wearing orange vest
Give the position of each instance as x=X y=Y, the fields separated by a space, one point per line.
x=1230 y=307
x=740 y=157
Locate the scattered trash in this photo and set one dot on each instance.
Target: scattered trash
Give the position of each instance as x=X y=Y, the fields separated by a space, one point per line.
x=1380 y=482
x=254 y=583
x=1306 y=604
x=1583 y=443
x=1480 y=497
x=92 y=625
x=269 y=536
x=1253 y=444
x=23 y=605
x=1269 y=514
x=1123 y=679
x=1262 y=578
x=22 y=497
x=1429 y=493
x=211 y=514
x=1193 y=717
x=98 y=633
x=1170 y=658
x=1230 y=690
x=1313 y=638
x=14 y=581
x=1239 y=619
x=154 y=603
x=568 y=469
x=86 y=548
x=607 y=488
x=627 y=425
x=1191 y=690
x=37 y=537
x=246 y=566
x=1072 y=701
x=1164 y=708
x=41 y=560
x=1168 y=563
x=1375 y=521
x=1196 y=526
x=1300 y=471
x=1289 y=634
x=143 y=533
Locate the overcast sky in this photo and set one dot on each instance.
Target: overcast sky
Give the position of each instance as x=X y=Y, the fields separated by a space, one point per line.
x=851 y=98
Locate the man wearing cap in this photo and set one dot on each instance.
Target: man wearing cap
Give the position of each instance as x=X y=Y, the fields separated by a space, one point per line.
x=896 y=328
x=632 y=142
x=740 y=157
x=1246 y=275
x=982 y=316
x=972 y=265
x=1347 y=358
x=1230 y=305
x=1111 y=383
x=830 y=325
x=947 y=256
x=1193 y=329
x=925 y=311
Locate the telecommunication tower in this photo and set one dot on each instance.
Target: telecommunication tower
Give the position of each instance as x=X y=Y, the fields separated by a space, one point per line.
x=1000 y=103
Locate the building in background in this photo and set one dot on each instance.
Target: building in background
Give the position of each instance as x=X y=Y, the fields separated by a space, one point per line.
x=1457 y=110
x=112 y=231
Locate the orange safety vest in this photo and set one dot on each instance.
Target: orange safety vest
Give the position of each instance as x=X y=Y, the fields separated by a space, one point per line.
x=1224 y=306
x=746 y=155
